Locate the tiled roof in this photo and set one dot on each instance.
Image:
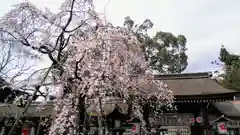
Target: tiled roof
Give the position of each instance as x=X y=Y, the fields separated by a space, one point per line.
x=231 y=108
x=193 y=84
x=11 y=110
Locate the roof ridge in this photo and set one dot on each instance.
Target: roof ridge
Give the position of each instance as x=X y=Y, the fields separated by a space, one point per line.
x=183 y=76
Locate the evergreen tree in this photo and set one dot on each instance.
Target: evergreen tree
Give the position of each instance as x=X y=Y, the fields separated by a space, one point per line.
x=231 y=78
x=165 y=52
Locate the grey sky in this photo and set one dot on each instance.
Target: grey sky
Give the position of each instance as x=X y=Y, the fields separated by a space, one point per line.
x=206 y=23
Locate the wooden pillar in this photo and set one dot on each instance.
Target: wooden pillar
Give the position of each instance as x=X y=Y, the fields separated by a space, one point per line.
x=146 y=116
x=3 y=126
x=32 y=131
x=85 y=123
x=3 y=130
x=207 y=126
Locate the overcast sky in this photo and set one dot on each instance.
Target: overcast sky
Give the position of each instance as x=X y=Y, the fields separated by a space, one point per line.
x=206 y=23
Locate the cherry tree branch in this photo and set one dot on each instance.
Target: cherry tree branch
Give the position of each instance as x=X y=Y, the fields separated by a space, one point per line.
x=77 y=67
x=70 y=16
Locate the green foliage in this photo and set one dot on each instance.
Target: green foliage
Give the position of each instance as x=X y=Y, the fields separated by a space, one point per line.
x=231 y=78
x=165 y=52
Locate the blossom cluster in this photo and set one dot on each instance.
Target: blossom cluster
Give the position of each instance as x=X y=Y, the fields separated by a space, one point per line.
x=108 y=65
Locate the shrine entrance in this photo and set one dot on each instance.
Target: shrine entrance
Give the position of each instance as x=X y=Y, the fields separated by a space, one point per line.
x=197 y=130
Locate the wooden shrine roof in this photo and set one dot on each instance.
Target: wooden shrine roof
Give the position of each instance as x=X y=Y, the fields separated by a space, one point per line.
x=230 y=108
x=8 y=94
x=11 y=110
x=193 y=84
x=193 y=88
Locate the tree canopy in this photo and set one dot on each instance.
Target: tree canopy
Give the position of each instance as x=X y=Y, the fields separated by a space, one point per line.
x=165 y=52
x=231 y=77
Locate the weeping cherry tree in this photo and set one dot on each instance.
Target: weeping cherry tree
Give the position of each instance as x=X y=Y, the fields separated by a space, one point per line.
x=92 y=61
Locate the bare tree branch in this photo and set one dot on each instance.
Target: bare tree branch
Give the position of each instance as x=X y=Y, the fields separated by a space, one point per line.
x=79 y=26
x=30 y=101
x=70 y=16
